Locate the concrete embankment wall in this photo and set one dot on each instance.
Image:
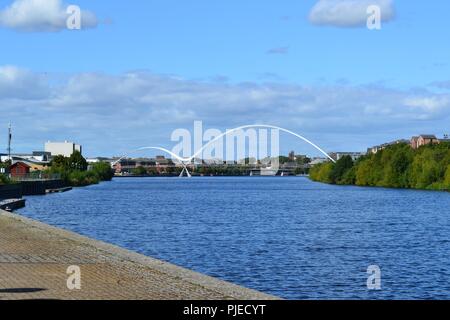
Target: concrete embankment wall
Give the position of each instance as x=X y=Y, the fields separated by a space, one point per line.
x=36 y=255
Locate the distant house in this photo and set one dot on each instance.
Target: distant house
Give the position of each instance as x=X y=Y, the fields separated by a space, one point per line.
x=375 y=149
x=124 y=166
x=316 y=161
x=35 y=165
x=414 y=142
x=423 y=139
x=338 y=155
x=161 y=161
x=213 y=162
x=19 y=169
x=127 y=165
x=145 y=162
x=383 y=146
x=290 y=165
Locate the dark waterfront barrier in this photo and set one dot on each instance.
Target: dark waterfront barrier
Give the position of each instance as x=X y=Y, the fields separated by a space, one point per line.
x=30 y=188
x=39 y=187
x=12 y=204
x=10 y=191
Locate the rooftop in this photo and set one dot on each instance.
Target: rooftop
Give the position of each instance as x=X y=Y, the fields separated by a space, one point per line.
x=428 y=136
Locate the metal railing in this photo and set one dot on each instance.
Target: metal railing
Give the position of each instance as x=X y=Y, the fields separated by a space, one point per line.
x=36 y=176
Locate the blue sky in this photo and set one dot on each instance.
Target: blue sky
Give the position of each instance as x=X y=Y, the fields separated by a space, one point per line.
x=345 y=87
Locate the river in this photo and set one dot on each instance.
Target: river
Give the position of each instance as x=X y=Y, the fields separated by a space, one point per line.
x=286 y=236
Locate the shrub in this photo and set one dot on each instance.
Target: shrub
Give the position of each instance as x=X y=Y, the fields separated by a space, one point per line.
x=322 y=172
x=4 y=179
x=340 y=168
x=103 y=171
x=139 y=171
x=82 y=178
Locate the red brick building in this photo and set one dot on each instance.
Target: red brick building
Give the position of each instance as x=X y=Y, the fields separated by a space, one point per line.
x=423 y=140
x=19 y=169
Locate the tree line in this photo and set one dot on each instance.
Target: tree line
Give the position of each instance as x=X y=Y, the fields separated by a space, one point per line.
x=397 y=166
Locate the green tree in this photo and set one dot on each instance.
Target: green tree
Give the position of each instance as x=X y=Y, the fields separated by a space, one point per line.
x=5 y=164
x=77 y=162
x=103 y=170
x=349 y=177
x=447 y=178
x=340 y=168
x=426 y=168
x=282 y=159
x=82 y=178
x=60 y=162
x=170 y=170
x=152 y=171
x=139 y=171
x=322 y=172
x=397 y=161
x=303 y=160
x=363 y=173
x=4 y=179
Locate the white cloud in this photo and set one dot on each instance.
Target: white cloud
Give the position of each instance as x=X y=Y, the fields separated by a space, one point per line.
x=429 y=103
x=348 y=13
x=41 y=16
x=107 y=112
x=22 y=84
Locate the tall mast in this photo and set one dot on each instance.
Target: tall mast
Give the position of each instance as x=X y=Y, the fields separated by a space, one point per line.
x=9 y=141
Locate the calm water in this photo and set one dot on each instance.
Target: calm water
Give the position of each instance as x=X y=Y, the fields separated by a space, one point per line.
x=286 y=236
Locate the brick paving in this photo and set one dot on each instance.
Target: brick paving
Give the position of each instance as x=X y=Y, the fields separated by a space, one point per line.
x=34 y=258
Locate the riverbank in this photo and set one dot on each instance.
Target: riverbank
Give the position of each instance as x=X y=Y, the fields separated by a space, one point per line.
x=34 y=258
x=397 y=166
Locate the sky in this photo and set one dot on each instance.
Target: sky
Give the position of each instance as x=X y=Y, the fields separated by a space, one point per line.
x=139 y=69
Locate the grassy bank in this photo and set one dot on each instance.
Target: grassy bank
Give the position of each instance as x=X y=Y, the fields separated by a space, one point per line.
x=398 y=166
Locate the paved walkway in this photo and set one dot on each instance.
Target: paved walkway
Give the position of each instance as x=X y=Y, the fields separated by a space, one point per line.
x=34 y=258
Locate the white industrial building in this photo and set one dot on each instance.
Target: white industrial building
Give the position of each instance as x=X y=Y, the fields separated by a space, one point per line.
x=65 y=148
